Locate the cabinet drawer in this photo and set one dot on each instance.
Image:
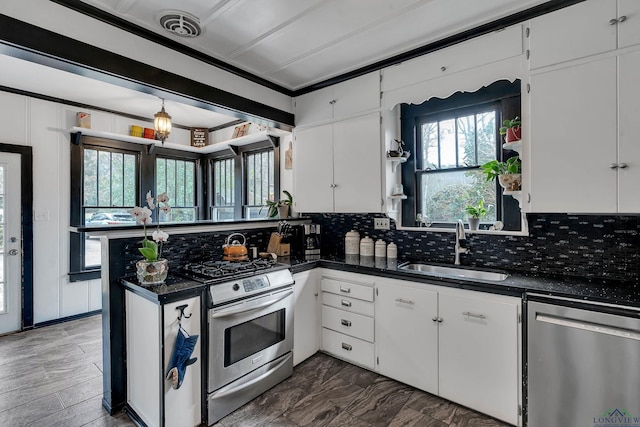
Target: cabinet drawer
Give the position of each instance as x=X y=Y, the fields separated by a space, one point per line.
x=348 y=304
x=356 y=325
x=349 y=289
x=348 y=348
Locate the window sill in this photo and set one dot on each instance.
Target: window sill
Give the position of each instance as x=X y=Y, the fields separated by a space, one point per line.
x=523 y=232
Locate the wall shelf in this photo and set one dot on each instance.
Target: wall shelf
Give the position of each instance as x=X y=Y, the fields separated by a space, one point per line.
x=395 y=161
x=515 y=194
x=395 y=199
x=515 y=146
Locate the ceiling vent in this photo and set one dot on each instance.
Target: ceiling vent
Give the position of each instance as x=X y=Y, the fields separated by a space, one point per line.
x=180 y=23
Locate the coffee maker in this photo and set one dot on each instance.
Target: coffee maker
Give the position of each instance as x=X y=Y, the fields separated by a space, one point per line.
x=306 y=243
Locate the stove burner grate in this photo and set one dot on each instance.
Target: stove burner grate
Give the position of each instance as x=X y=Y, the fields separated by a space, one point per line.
x=218 y=269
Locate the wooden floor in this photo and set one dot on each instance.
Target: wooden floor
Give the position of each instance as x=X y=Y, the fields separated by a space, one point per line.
x=52 y=376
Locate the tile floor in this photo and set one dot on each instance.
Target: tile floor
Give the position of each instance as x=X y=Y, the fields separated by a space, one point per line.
x=52 y=376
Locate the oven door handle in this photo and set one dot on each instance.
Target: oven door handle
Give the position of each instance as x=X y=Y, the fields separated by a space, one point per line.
x=246 y=307
x=225 y=391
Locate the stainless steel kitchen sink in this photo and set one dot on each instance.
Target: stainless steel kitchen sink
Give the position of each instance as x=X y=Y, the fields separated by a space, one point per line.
x=461 y=273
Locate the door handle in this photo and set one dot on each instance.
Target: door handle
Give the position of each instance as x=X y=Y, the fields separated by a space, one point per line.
x=13 y=252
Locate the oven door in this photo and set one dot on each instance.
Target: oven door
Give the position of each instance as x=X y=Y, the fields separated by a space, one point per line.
x=245 y=335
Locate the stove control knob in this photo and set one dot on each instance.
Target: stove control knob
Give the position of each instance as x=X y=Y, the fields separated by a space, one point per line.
x=236 y=287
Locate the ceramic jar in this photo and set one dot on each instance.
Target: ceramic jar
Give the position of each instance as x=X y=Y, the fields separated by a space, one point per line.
x=352 y=243
x=381 y=249
x=366 y=246
x=392 y=251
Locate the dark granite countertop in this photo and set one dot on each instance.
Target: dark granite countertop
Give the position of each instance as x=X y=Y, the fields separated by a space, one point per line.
x=516 y=284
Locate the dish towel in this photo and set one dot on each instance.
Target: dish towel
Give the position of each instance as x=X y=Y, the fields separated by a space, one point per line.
x=181 y=357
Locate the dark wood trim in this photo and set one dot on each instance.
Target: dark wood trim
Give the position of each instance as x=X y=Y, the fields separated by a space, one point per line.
x=122 y=24
x=487 y=28
x=31 y=43
x=26 y=208
x=67 y=319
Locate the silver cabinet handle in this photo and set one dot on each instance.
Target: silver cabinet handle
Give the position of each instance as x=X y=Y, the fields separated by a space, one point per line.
x=333 y=101
x=345 y=290
x=478 y=316
x=622 y=165
x=613 y=166
x=437 y=319
x=622 y=18
x=613 y=21
x=13 y=252
x=404 y=301
x=346 y=346
x=345 y=303
x=345 y=322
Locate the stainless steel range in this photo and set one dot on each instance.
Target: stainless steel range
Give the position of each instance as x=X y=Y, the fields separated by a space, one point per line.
x=250 y=327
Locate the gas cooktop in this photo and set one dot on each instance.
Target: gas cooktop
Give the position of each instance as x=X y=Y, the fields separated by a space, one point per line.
x=212 y=271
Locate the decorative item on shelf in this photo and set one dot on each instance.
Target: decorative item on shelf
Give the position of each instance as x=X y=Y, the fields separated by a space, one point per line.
x=398 y=151
x=241 y=130
x=280 y=208
x=153 y=269
x=149 y=133
x=135 y=131
x=162 y=124
x=83 y=120
x=398 y=190
x=511 y=129
x=508 y=172
x=475 y=213
x=199 y=137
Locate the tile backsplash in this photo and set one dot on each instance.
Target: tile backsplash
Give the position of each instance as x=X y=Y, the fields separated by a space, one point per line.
x=590 y=246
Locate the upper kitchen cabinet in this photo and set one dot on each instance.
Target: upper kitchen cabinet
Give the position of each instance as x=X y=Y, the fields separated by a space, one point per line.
x=339 y=101
x=582 y=30
x=584 y=156
x=337 y=166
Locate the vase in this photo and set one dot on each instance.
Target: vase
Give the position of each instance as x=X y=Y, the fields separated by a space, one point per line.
x=283 y=212
x=513 y=134
x=510 y=182
x=152 y=272
x=474 y=223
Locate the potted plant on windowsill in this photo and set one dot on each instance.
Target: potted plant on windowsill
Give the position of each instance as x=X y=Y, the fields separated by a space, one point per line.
x=475 y=213
x=511 y=130
x=279 y=208
x=508 y=173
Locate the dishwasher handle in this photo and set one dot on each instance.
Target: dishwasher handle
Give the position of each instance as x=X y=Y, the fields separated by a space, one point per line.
x=588 y=326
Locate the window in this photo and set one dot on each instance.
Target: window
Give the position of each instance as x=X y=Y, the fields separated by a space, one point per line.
x=451 y=147
x=177 y=178
x=260 y=183
x=451 y=139
x=223 y=190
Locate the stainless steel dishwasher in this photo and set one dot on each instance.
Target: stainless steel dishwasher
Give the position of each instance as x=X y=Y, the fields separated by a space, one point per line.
x=583 y=364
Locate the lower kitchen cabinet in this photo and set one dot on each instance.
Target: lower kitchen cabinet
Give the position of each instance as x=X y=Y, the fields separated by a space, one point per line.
x=406 y=335
x=306 y=316
x=151 y=330
x=478 y=352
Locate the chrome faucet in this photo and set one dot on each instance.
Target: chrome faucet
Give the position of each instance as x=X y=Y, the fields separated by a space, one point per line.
x=460 y=237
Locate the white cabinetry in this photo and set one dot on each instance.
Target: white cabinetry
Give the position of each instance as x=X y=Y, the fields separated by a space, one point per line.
x=582 y=30
x=478 y=352
x=347 y=317
x=306 y=316
x=151 y=333
x=339 y=101
x=584 y=156
x=406 y=335
x=338 y=166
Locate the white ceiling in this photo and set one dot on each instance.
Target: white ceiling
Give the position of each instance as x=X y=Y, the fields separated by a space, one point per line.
x=293 y=43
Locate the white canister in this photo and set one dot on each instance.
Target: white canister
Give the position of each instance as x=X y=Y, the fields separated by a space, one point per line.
x=352 y=243
x=381 y=249
x=366 y=246
x=392 y=251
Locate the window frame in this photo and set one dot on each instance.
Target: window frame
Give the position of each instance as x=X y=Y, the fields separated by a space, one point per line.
x=503 y=93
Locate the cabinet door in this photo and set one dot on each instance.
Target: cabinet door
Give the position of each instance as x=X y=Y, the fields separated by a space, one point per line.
x=357 y=164
x=573 y=32
x=406 y=335
x=629 y=30
x=306 y=316
x=478 y=353
x=314 y=107
x=313 y=169
x=573 y=139
x=356 y=95
x=628 y=139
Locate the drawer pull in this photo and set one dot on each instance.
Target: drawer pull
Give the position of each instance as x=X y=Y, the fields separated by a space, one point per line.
x=478 y=316
x=404 y=301
x=345 y=303
x=346 y=346
x=345 y=322
x=345 y=290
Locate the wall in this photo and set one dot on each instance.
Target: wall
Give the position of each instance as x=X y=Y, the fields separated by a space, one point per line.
x=593 y=247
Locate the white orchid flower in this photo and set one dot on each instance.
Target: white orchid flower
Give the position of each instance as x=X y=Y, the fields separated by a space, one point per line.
x=149 y=198
x=163 y=198
x=165 y=208
x=142 y=215
x=159 y=236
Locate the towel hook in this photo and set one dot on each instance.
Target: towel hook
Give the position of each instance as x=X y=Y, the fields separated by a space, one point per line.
x=182 y=315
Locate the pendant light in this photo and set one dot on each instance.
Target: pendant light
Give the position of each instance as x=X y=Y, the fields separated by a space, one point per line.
x=162 y=124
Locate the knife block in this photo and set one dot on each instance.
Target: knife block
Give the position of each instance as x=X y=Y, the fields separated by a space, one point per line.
x=277 y=247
